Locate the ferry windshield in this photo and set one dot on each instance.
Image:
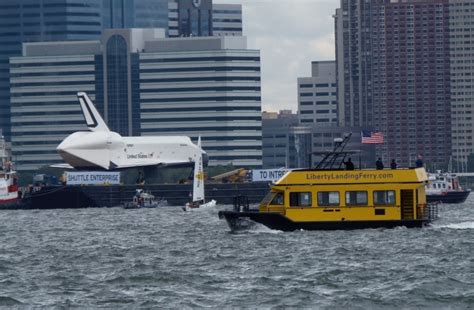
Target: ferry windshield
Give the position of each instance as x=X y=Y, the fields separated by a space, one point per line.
x=273 y=198
x=278 y=200
x=268 y=197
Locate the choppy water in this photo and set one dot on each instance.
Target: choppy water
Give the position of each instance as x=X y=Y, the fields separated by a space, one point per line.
x=168 y=258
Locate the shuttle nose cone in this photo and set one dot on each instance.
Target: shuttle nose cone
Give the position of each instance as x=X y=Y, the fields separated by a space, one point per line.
x=84 y=150
x=72 y=142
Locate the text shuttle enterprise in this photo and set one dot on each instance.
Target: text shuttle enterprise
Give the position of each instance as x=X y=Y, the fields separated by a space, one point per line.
x=101 y=148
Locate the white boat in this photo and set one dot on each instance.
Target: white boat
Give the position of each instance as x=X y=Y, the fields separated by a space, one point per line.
x=8 y=179
x=445 y=187
x=198 y=200
x=193 y=206
x=142 y=199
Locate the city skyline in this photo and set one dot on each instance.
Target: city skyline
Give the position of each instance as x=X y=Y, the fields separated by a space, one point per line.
x=264 y=19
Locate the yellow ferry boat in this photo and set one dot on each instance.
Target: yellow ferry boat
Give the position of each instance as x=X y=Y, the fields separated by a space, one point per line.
x=328 y=199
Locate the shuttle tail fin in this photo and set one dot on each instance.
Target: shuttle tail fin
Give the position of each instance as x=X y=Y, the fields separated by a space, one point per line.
x=93 y=119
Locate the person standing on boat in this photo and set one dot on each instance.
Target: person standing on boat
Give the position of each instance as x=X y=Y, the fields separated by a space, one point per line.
x=140 y=179
x=349 y=164
x=379 y=164
x=393 y=164
x=419 y=161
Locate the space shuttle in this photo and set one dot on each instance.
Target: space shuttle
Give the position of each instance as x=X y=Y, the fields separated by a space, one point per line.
x=100 y=148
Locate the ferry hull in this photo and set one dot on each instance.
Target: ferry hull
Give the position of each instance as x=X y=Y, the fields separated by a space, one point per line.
x=239 y=221
x=450 y=197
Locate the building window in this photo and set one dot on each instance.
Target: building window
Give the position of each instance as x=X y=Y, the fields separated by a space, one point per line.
x=117 y=85
x=302 y=199
x=384 y=197
x=356 y=198
x=328 y=199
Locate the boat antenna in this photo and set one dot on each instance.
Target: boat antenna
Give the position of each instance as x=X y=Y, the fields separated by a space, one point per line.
x=331 y=158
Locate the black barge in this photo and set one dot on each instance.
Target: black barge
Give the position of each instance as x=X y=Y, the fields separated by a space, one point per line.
x=94 y=196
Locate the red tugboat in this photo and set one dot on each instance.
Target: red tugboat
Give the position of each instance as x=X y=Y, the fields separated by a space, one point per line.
x=8 y=180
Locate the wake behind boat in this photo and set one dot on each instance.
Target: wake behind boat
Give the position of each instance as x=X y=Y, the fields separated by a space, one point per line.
x=199 y=205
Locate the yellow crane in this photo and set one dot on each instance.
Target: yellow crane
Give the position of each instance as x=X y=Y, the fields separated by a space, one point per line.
x=233 y=176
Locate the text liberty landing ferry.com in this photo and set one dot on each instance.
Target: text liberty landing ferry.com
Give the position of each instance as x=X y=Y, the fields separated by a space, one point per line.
x=363 y=176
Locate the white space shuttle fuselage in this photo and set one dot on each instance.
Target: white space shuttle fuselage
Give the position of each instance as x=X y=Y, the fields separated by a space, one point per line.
x=105 y=149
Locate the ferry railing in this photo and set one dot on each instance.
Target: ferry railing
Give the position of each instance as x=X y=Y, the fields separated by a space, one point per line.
x=241 y=203
x=427 y=211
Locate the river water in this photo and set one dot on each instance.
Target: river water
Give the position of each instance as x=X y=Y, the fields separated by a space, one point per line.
x=116 y=258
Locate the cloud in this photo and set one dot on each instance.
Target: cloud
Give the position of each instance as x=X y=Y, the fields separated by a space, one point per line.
x=290 y=34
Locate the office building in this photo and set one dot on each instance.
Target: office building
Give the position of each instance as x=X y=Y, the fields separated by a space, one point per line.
x=65 y=20
x=394 y=75
x=290 y=144
x=208 y=87
x=276 y=129
x=285 y=143
x=191 y=18
x=461 y=29
x=317 y=97
x=227 y=20
x=144 y=84
x=134 y=13
x=411 y=80
x=353 y=65
x=71 y=20
x=33 y=21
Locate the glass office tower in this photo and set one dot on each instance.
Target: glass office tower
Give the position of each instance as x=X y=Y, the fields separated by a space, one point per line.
x=37 y=21
x=135 y=14
x=65 y=20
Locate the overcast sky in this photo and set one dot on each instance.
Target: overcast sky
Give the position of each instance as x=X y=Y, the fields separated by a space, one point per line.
x=289 y=34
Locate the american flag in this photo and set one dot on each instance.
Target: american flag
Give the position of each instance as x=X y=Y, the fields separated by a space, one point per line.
x=371 y=137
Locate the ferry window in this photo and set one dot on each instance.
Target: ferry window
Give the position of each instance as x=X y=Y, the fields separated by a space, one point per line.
x=384 y=197
x=268 y=198
x=356 y=198
x=300 y=199
x=328 y=199
x=278 y=200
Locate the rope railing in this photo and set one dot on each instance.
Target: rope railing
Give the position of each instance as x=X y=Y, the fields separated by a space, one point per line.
x=427 y=211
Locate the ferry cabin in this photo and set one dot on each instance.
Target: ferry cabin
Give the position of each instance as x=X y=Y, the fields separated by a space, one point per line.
x=340 y=199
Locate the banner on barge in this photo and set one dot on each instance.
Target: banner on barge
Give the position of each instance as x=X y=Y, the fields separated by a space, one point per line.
x=92 y=178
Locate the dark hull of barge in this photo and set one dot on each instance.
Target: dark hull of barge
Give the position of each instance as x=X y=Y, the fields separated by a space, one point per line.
x=71 y=197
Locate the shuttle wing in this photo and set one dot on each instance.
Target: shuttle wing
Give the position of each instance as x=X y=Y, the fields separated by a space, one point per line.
x=93 y=119
x=156 y=163
x=62 y=166
x=114 y=166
